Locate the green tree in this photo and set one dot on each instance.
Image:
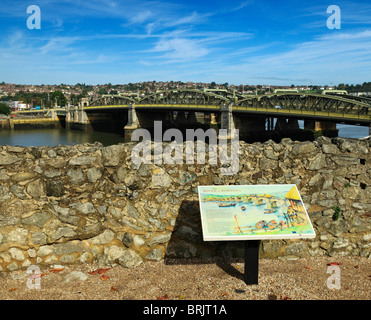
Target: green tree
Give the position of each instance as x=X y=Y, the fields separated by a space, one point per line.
x=102 y=91
x=74 y=99
x=341 y=86
x=58 y=97
x=4 y=109
x=212 y=85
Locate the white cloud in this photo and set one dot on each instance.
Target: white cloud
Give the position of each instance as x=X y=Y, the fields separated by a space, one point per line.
x=347 y=36
x=168 y=20
x=58 y=23
x=337 y=58
x=183 y=45
x=241 y=5
x=180 y=49
x=141 y=17
x=193 y=18
x=150 y=27
x=57 y=44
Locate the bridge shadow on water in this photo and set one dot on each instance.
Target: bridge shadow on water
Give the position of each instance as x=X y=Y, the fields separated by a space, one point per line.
x=276 y=136
x=186 y=245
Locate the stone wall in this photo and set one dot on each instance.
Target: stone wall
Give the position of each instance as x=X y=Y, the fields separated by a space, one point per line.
x=81 y=203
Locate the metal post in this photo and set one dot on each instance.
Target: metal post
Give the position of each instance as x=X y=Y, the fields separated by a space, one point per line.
x=251 y=262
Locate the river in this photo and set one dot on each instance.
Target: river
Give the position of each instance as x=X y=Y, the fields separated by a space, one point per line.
x=53 y=137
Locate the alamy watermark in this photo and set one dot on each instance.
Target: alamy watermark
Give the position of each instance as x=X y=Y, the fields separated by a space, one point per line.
x=34 y=280
x=334 y=21
x=34 y=20
x=174 y=152
x=333 y=281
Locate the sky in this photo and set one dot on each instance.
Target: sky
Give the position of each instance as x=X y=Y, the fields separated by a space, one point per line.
x=238 y=42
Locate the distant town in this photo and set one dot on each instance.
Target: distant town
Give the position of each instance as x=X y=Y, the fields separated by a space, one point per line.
x=21 y=96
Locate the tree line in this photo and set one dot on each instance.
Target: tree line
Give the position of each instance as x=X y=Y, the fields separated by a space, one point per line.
x=46 y=100
x=364 y=87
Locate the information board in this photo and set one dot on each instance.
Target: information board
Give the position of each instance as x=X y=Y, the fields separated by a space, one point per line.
x=253 y=212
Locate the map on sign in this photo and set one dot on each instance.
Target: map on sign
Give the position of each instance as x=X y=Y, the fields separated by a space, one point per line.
x=253 y=212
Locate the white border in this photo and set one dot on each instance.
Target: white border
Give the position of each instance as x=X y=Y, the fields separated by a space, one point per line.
x=255 y=237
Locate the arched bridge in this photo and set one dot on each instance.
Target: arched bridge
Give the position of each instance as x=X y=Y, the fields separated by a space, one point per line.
x=223 y=109
x=341 y=108
x=308 y=105
x=196 y=100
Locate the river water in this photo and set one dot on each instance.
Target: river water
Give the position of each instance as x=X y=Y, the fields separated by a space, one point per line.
x=53 y=137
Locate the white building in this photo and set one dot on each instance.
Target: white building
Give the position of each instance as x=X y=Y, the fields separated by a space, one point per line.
x=18 y=105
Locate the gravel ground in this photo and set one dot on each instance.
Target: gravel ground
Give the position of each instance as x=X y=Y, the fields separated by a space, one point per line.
x=216 y=279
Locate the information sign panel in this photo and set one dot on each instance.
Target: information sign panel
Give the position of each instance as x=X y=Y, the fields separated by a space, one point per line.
x=253 y=212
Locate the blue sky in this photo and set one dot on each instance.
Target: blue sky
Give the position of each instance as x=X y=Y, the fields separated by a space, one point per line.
x=239 y=42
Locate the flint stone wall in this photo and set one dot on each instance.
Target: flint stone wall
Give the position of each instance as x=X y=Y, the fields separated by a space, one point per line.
x=81 y=203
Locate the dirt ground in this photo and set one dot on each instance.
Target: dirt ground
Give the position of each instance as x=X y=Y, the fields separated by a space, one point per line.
x=215 y=279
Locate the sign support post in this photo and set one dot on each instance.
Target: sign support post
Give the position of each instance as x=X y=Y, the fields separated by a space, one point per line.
x=252 y=213
x=251 y=275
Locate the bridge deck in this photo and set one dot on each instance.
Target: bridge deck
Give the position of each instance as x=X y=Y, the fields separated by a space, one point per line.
x=275 y=112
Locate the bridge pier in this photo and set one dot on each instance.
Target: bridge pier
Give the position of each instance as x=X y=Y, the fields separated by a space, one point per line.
x=321 y=128
x=133 y=122
x=292 y=124
x=68 y=119
x=191 y=117
x=11 y=123
x=82 y=117
x=54 y=117
x=281 y=124
x=180 y=117
x=227 y=119
x=77 y=118
x=81 y=120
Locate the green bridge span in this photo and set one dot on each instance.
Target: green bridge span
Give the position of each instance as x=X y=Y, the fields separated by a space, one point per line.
x=223 y=109
x=345 y=108
x=248 y=113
